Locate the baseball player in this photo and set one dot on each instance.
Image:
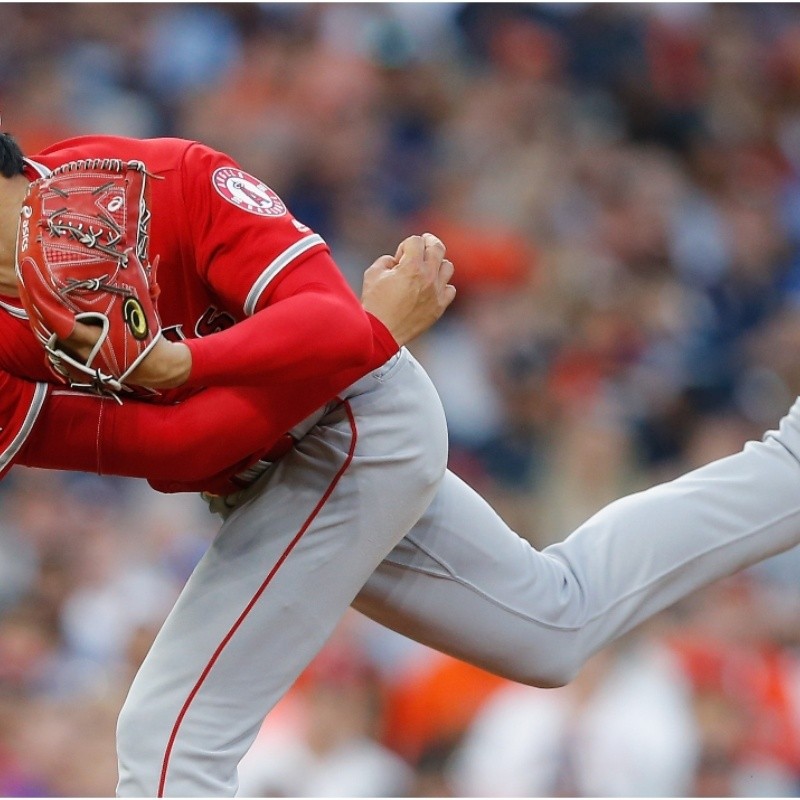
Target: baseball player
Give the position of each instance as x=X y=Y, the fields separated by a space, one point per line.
x=358 y=511
x=312 y=325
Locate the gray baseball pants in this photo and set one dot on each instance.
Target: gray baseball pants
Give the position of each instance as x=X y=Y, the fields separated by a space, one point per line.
x=362 y=512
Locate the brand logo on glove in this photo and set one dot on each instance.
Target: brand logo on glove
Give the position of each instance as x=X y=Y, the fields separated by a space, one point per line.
x=135 y=319
x=246 y=192
x=26 y=227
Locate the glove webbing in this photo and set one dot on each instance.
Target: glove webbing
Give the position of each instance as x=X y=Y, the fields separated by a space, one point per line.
x=106 y=165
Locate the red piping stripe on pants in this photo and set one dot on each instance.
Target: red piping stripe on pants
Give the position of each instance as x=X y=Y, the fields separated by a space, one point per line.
x=256 y=597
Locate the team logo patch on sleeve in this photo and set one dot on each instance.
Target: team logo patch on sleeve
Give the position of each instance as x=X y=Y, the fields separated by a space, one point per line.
x=246 y=192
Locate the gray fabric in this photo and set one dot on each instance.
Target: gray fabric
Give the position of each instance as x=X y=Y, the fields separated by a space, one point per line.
x=459 y=580
x=271 y=633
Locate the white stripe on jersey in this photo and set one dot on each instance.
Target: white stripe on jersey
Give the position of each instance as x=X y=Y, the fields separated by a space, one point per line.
x=40 y=168
x=39 y=395
x=279 y=264
x=19 y=313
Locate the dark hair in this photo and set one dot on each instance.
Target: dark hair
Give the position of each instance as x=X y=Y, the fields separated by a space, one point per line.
x=11 y=162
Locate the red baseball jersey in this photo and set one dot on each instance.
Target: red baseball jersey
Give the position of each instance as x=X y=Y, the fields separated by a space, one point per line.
x=20 y=404
x=224 y=239
x=222 y=236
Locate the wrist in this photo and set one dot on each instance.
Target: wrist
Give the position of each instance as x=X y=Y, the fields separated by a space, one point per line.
x=198 y=366
x=167 y=366
x=177 y=367
x=384 y=342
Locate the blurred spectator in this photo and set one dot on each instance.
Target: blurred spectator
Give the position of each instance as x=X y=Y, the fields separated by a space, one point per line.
x=330 y=747
x=745 y=689
x=431 y=703
x=623 y=728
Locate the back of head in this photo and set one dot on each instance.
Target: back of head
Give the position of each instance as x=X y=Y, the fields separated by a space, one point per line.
x=11 y=160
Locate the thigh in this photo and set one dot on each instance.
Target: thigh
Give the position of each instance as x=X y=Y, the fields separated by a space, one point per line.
x=283 y=569
x=461 y=581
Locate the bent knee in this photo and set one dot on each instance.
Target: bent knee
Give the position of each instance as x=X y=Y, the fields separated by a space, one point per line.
x=545 y=667
x=430 y=423
x=553 y=679
x=430 y=464
x=543 y=676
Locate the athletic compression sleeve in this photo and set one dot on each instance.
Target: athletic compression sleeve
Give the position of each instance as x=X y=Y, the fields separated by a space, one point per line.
x=221 y=483
x=205 y=435
x=312 y=326
x=136 y=439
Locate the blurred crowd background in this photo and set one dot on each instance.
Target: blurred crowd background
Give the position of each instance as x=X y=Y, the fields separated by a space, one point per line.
x=619 y=188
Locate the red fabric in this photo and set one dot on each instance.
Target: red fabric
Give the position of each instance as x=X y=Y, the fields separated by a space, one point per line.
x=231 y=247
x=192 y=439
x=20 y=353
x=19 y=404
x=221 y=481
x=214 y=255
x=215 y=432
x=335 y=333
x=195 y=230
x=216 y=258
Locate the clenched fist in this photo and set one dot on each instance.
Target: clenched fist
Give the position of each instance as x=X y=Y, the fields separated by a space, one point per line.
x=409 y=291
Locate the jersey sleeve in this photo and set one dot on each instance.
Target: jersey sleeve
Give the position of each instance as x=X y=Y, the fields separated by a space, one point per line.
x=195 y=444
x=20 y=405
x=243 y=235
x=260 y=262
x=197 y=437
x=314 y=327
